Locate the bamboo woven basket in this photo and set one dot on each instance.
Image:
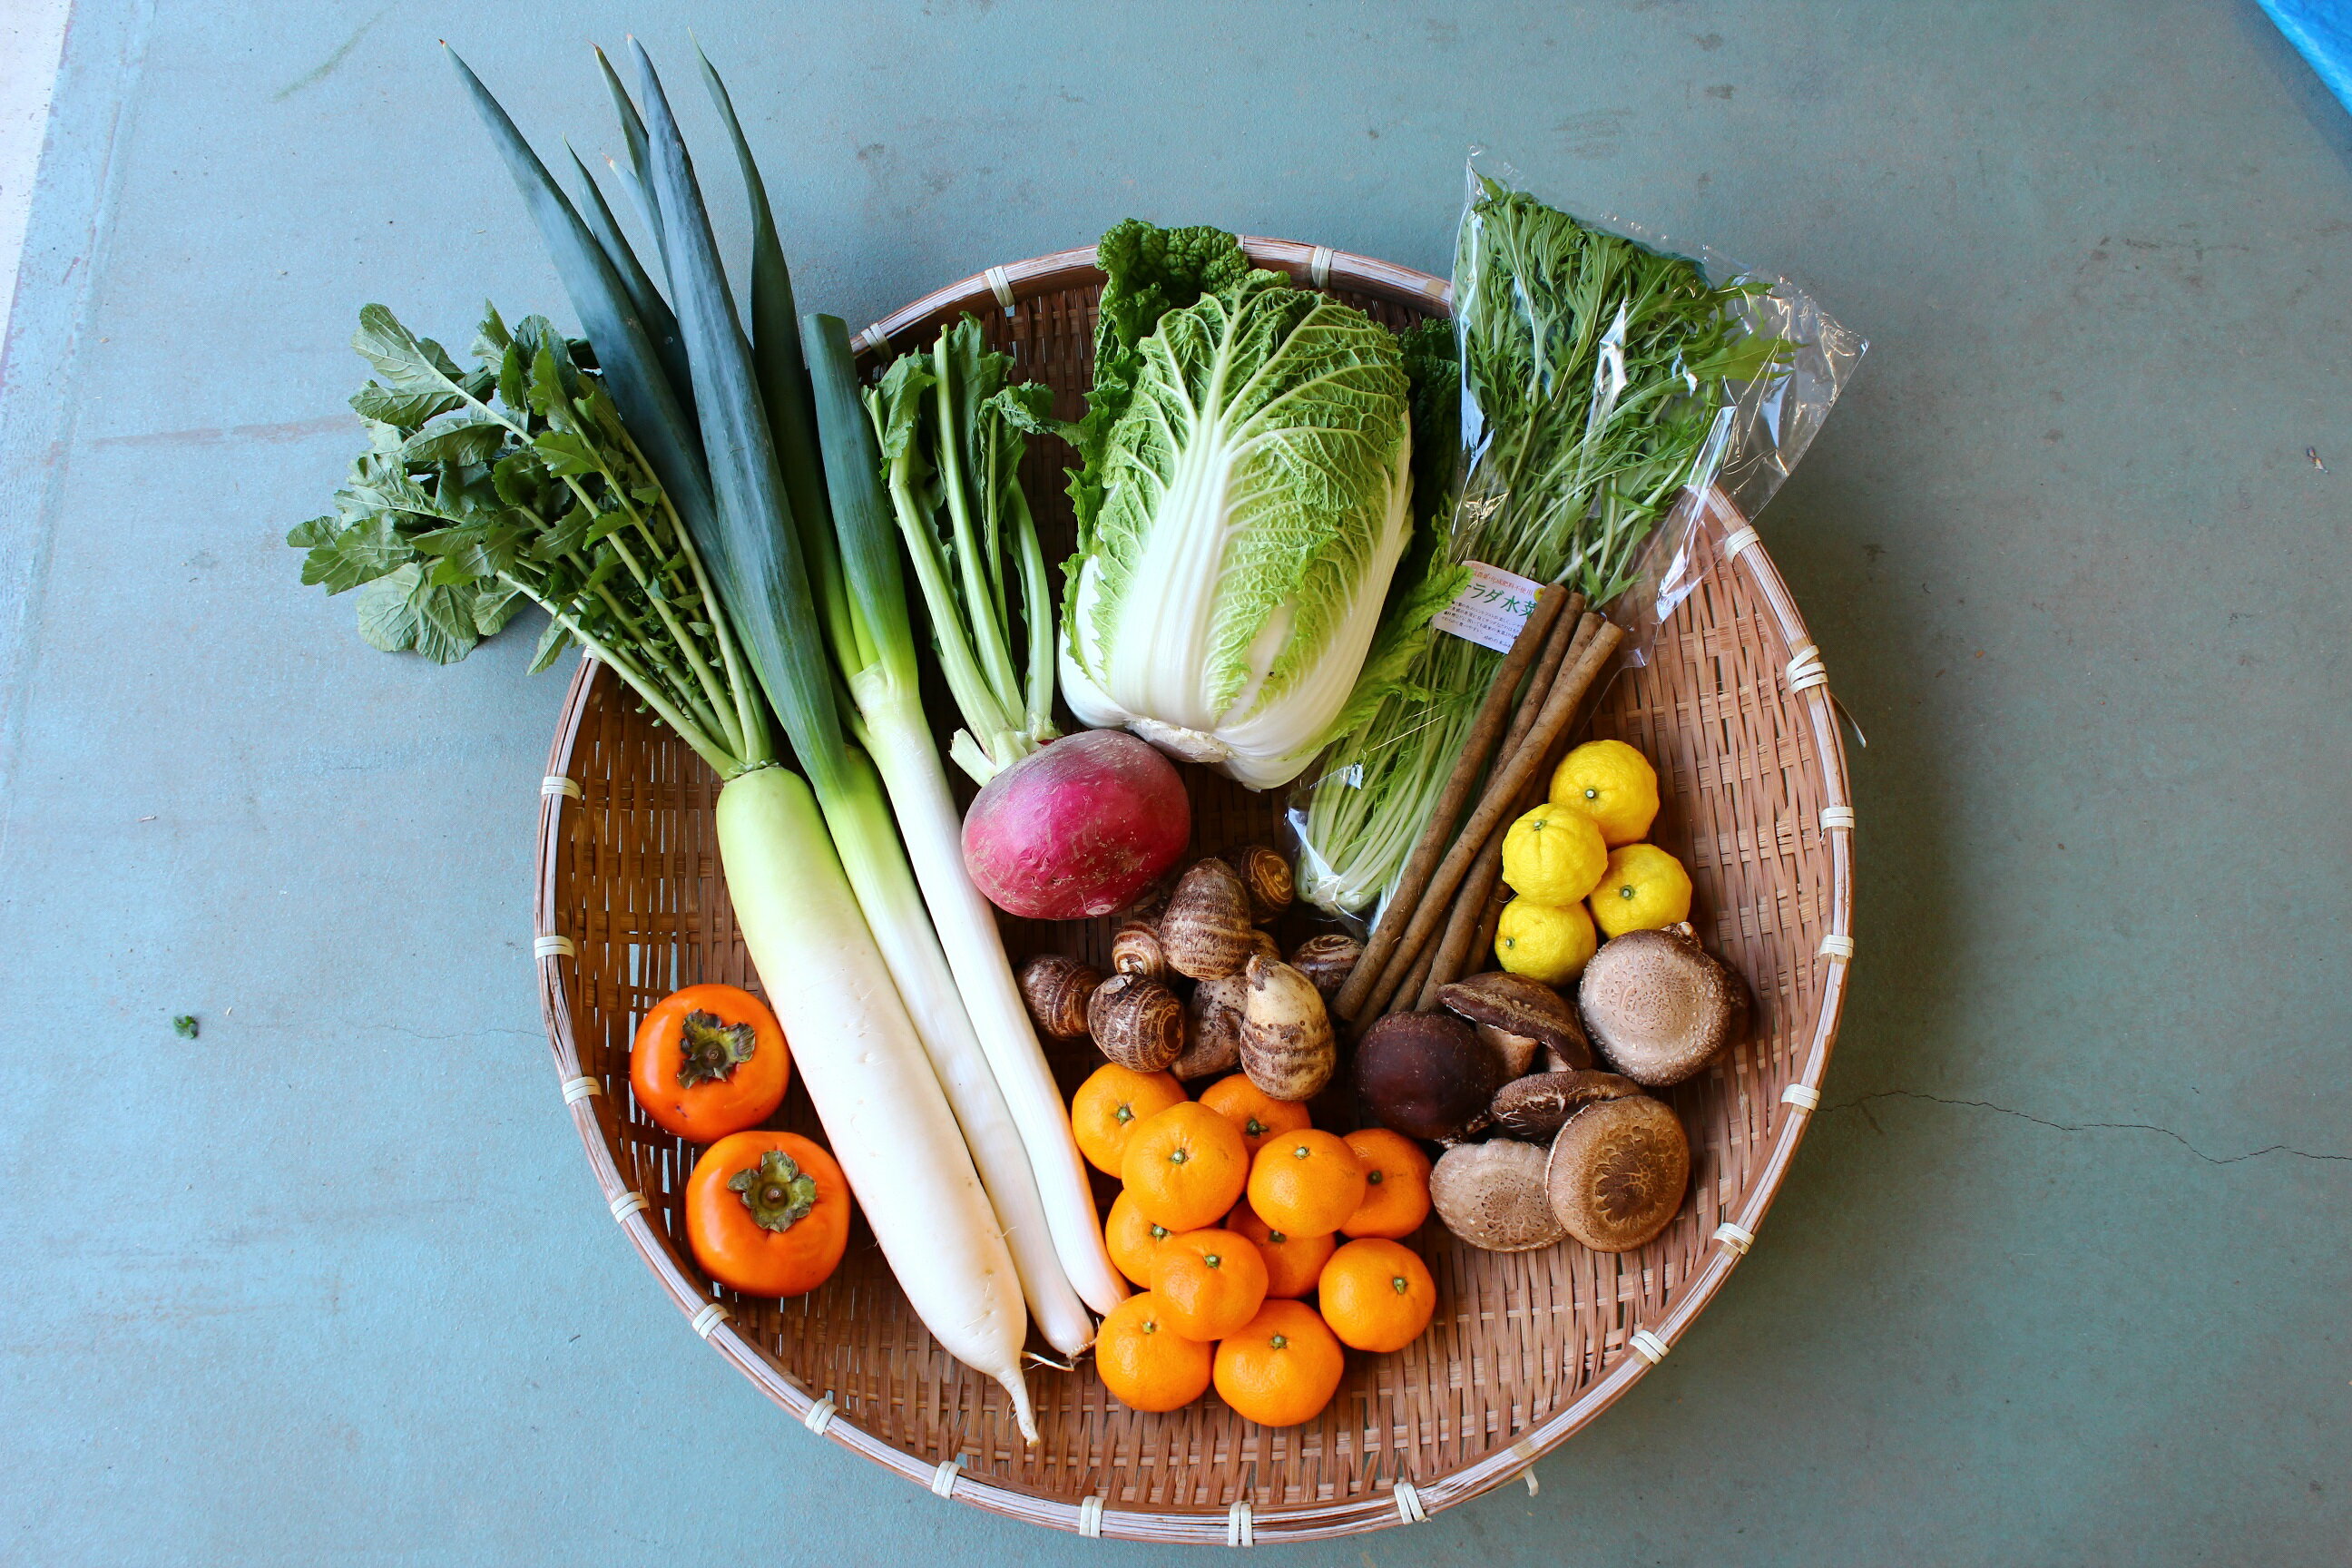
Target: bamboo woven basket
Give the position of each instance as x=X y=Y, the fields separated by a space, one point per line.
x=1525 y=1349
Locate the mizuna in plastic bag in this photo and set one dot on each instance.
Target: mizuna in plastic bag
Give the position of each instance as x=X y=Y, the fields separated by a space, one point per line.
x=1611 y=390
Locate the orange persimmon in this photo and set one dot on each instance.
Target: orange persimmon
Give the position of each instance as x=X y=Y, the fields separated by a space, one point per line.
x=710 y=1060
x=768 y=1213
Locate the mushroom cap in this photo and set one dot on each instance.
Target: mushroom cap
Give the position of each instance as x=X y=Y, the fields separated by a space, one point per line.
x=1617 y=1172
x=1517 y=1006
x=1659 y=1007
x=1492 y=1195
x=1425 y=1075
x=1534 y=1107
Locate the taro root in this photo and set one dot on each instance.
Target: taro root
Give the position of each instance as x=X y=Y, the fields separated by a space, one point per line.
x=1425 y=1075
x=1534 y=1107
x=1328 y=959
x=1135 y=949
x=1265 y=877
x=1516 y=1018
x=1263 y=945
x=1659 y=1007
x=1137 y=1023
x=1214 y=1028
x=1057 y=989
x=1617 y=1171
x=1287 y=1048
x=1492 y=1195
x=1206 y=929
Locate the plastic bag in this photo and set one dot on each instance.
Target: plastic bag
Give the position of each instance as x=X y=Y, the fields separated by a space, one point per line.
x=1707 y=382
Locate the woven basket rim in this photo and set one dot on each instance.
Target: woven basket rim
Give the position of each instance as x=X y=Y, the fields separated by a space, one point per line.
x=1405 y=1502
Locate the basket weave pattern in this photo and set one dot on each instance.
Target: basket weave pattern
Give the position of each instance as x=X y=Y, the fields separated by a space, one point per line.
x=1525 y=1348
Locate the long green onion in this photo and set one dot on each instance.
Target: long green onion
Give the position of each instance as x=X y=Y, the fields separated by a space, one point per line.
x=833 y=948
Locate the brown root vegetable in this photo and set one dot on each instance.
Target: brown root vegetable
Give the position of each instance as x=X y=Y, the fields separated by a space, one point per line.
x=1328 y=959
x=1492 y=1195
x=1206 y=929
x=1534 y=1107
x=1137 y=1023
x=1287 y=1048
x=1263 y=945
x=1659 y=1007
x=1425 y=1075
x=1617 y=1171
x=1526 y=1009
x=1213 y=1028
x=1135 y=949
x=1056 y=990
x=1265 y=877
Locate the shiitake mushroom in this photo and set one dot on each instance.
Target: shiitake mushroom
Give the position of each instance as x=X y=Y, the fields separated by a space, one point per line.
x=1659 y=1007
x=1618 y=1171
x=1425 y=1075
x=1534 y=1107
x=1516 y=1017
x=1492 y=1195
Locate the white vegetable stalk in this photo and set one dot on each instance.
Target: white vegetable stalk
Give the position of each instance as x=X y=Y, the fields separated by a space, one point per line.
x=866 y=1073
x=902 y=748
x=927 y=982
x=877 y=658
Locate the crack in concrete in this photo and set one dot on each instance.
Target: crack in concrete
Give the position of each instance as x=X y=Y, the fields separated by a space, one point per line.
x=1861 y=1103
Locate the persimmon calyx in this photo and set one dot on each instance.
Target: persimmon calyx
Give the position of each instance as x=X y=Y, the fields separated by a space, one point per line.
x=711 y=1049
x=775 y=1190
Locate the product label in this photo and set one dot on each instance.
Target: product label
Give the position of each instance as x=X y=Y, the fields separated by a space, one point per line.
x=1491 y=608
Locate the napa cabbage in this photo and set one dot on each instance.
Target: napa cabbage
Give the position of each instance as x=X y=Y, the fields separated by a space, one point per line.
x=1245 y=501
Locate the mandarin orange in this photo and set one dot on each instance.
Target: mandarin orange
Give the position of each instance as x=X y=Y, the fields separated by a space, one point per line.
x=1145 y=1362
x=1112 y=1104
x=1306 y=1183
x=1396 y=1184
x=1281 y=1367
x=1377 y=1295
x=1185 y=1166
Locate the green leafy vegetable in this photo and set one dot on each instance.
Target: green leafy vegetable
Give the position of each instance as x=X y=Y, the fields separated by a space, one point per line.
x=1596 y=369
x=1243 y=508
x=951 y=432
x=516 y=481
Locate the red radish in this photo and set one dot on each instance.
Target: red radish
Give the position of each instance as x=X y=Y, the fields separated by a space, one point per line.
x=1078 y=828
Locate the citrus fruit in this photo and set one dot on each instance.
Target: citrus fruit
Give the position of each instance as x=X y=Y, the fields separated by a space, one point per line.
x=1252 y=1109
x=1553 y=855
x=1212 y=1282
x=1292 y=1262
x=1376 y=1295
x=1185 y=1166
x=1112 y=1104
x=1132 y=1239
x=1281 y=1367
x=1644 y=889
x=1306 y=1183
x=1396 y=1184
x=1545 y=941
x=1612 y=783
x=1144 y=1362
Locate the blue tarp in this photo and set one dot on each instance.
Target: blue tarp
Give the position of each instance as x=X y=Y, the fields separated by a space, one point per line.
x=2321 y=30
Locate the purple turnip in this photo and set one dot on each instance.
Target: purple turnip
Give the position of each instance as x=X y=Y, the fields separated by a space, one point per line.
x=1077 y=828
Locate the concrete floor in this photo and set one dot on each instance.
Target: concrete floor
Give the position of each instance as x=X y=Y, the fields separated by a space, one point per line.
x=2061 y=1276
